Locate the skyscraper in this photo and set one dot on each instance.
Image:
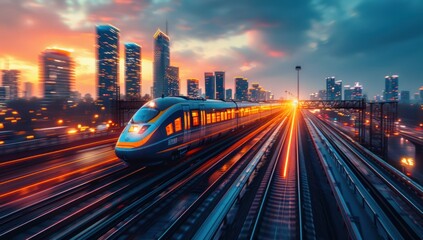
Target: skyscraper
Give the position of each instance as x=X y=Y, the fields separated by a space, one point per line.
x=28 y=90
x=11 y=79
x=132 y=71
x=161 y=62
x=357 y=91
x=405 y=97
x=330 y=88
x=391 y=88
x=348 y=91
x=107 y=64
x=333 y=89
x=338 y=90
x=4 y=94
x=241 y=89
x=229 y=94
x=210 y=84
x=255 y=92
x=172 y=81
x=220 y=84
x=57 y=73
x=193 y=87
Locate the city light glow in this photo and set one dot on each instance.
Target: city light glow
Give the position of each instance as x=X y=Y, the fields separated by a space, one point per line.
x=407 y=161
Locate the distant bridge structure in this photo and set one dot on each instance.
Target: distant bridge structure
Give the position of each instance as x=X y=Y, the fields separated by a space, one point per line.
x=377 y=119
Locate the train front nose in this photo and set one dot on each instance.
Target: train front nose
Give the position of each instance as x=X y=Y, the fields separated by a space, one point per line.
x=132 y=138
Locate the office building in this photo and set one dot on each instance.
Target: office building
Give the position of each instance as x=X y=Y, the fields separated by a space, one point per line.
x=193 y=87
x=28 y=90
x=210 y=84
x=10 y=79
x=220 y=84
x=161 y=62
x=228 y=93
x=405 y=97
x=57 y=74
x=132 y=71
x=255 y=92
x=107 y=54
x=258 y=93
x=172 y=81
x=391 y=88
x=241 y=89
x=4 y=94
x=348 y=92
x=357 y=92
x=333 y=89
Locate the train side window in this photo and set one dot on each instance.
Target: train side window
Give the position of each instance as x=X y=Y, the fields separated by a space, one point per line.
x=213 y=117
x=169 y=129
x=178 y=124
x=218 y=117
x=208 y=118
x=233 y=113
x=195 y=120
x=203 y=118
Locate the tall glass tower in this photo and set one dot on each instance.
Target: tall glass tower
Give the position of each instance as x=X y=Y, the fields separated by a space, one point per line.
x=210 y=84
x=132 y=71
x=161 y=62
x=241 y=89
x=172 y=79
x=57 y=74
x=220 y=85
x=333 y=89
x=107 y=64
x=11 y=79
x=192 y=87
x=391 y=88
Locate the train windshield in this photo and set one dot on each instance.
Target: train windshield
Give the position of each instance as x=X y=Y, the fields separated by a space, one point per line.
x=144 y=115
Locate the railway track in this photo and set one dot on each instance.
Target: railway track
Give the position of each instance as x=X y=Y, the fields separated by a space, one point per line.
x=95 y=206
x=400 y=207
x=57 y=210
x=187 y=224
x=198 y=182
x=278 y=208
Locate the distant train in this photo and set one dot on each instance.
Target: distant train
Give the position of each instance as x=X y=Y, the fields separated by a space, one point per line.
x=165 y=128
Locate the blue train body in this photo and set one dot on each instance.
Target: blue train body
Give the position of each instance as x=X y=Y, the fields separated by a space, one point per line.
x=165 y=128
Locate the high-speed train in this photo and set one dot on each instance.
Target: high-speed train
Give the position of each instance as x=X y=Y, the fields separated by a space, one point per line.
x=165 y=128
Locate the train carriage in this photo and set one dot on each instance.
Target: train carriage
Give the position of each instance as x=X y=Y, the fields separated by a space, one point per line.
x=165 y=128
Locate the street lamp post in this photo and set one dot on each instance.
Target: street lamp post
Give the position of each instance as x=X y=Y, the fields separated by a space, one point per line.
x=298 y=68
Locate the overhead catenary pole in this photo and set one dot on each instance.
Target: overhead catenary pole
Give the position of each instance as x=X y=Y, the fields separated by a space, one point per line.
x=298 y=68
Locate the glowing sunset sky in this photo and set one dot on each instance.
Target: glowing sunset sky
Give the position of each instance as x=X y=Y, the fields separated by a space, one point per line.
x=354 y=40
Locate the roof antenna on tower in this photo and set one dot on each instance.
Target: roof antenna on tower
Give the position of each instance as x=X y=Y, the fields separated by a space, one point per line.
x=166 y=28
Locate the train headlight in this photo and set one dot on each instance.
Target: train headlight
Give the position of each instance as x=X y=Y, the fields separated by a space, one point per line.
x=134 y=128
x=137 y=128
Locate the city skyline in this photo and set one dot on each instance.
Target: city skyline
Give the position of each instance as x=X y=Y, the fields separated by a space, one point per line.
x=263 y=42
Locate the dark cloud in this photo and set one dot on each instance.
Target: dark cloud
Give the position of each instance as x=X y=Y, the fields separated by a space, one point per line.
x=376 y=25
x=367 y=40
x=283 y=23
